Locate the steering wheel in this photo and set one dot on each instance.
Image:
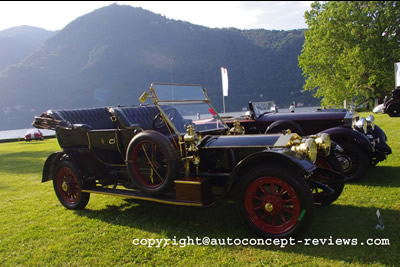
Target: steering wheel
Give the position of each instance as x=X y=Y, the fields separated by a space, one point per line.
x=158 y=122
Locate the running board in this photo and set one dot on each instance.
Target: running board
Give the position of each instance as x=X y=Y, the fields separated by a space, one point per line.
x=141 y=196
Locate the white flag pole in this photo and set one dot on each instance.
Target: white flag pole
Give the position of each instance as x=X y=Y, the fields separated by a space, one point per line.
x=224 y=78
x=223 y=102
x=397 y=75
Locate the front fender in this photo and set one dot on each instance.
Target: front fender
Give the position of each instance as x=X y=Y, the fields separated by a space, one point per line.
x=341 y=132
x=285 y=157
x=381 y=145
x=391 y=101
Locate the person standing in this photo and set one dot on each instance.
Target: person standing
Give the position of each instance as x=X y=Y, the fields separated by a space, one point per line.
x=291 y=108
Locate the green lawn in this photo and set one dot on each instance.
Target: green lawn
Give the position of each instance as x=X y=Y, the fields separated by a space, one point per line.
x=37 y=230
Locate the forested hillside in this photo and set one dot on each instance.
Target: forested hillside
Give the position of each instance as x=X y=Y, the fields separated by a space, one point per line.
x=19 y=42
x=111 y=55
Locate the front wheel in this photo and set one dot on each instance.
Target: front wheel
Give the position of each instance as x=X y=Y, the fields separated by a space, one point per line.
x=67 y=184
x=327 y=182
x=393 y=110
x=353 y=159
x=275 y=203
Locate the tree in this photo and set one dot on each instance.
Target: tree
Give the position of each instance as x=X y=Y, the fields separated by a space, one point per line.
x=350 y=49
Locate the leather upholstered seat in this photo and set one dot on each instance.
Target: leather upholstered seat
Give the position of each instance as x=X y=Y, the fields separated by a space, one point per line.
x=143 y=117
x=135 y=116
x=88 y=118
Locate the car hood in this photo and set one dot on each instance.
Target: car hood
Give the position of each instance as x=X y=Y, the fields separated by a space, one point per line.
x=318 y=115
x=231 y=141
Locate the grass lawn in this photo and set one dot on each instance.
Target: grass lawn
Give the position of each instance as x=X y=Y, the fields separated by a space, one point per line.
x=37 y=230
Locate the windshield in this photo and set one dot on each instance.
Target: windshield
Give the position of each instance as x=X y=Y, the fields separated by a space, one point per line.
x=263 y=107
x=187 y=105
x=168 y=92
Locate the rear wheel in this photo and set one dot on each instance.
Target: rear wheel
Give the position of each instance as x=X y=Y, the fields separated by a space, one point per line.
x=67 y=184
x=283 y=125
x=275 y=203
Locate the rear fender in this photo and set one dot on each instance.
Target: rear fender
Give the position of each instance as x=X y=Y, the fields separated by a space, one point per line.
x=281 y=158
x=51 y=163
x=282 y=125
x=345 y=133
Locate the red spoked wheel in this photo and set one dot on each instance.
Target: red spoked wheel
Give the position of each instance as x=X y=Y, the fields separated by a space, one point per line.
x=152 y=163
x=276 y=203
x=272 y=205
x=68 y=186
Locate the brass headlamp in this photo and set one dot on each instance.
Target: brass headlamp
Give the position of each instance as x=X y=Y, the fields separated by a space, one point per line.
x=361 y=125
x=370 y=122
x=307 y=147
x=324 y=144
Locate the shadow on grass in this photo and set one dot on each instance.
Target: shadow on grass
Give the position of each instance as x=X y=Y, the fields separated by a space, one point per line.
x=222 y=221
x=381 y=176
x=3 y=185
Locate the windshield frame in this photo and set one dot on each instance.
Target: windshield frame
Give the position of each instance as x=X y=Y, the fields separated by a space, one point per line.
x=159 y=102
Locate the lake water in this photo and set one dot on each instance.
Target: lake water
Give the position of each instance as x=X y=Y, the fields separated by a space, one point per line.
x=20 y=133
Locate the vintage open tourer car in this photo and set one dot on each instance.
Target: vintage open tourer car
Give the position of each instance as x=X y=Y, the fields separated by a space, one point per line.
x=179 y=151
x=360 y=143
x=392 y=106
x=33 y=134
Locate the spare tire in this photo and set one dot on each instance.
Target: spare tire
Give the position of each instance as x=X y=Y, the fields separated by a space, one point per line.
x=152 y=163
x=283 y=125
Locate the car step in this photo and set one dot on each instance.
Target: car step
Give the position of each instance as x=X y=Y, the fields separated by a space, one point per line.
x=169 y=199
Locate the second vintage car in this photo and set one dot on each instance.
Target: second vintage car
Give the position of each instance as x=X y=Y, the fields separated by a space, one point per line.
x=361 y=143
x=179 y=151
x=392 y=105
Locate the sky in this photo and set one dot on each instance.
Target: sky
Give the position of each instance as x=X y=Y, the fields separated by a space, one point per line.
x=270 y=15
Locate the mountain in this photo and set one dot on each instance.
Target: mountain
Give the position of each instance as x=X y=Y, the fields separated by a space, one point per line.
x=111 y=55
x=19 y=42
